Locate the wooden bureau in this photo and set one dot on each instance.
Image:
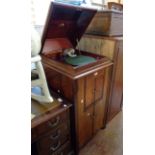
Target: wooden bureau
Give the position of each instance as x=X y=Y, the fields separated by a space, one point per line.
x=50 y=128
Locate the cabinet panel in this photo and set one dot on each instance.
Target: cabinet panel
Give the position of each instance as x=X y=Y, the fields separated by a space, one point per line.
x=99 y=85
x=54 y=79
x=67 y=88
x=59 y=83
x=117 y=88
x=85 y=121
x=98 y=45
x=98 y=115
x=89 y=90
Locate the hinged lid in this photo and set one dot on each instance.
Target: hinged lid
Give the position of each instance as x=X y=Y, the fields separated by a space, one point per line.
x=66 y=23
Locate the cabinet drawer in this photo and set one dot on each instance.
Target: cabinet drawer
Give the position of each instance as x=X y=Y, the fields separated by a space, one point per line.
x=64 y=150
x=55 y=139
x=53 y=123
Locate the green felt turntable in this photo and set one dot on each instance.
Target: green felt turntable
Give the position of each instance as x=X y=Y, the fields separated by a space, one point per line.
x=79 y=60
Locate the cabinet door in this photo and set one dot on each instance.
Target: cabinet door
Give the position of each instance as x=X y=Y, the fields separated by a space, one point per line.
x=84 y=116
x=89 y=85
x=99 y=104
x=99 y=84
x=98 y=116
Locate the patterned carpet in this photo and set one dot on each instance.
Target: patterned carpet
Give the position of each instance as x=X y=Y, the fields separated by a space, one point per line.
x=108 y=141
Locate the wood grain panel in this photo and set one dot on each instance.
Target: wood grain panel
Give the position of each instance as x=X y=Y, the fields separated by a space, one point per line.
x=99 y=86
x=67 y=88
x=109 y=23
x=89 y=90
x=98 y=45
x=98 y=115
x=85 y=122
x=117 y=91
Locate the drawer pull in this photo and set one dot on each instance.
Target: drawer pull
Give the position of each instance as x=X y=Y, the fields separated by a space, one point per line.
x=54 y=148
x=55 y=136
x=55 y=123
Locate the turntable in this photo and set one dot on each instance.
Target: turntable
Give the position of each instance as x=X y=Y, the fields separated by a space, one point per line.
x=64 y=27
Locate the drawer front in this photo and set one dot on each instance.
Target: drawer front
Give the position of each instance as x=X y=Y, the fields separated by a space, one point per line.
x=65 y=149
x=55 y=139
x=53 y=123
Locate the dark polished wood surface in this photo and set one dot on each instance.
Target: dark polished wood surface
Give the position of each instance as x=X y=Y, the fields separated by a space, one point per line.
x=66 y=21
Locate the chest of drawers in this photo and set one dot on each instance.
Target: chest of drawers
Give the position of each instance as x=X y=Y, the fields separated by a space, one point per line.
x=50 y=129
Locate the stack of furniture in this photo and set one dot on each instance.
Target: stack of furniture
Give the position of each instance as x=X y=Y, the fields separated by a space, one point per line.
x=104 y=36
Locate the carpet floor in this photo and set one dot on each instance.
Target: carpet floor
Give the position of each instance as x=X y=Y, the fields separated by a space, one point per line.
x=108 y=141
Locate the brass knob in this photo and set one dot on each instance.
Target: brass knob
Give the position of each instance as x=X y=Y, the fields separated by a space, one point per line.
x=96 y=73
x=82 y=101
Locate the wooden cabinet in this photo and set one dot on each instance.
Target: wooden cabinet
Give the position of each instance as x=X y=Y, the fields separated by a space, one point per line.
x=88 y=94
x=83 y=84
x=50 y=130
x=111 y=47
x=107 y=23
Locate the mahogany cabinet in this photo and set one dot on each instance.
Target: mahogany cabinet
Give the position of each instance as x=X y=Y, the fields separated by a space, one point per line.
x=88 y=94
x=50 y=128
x=111 y=47
x=84 y=85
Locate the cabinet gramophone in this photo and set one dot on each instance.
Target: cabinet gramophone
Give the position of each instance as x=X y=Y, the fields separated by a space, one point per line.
x=77 y=75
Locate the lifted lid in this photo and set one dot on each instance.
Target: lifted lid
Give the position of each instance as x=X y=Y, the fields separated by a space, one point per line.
x=66 y=22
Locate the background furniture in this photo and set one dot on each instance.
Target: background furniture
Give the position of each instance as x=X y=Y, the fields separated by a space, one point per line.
x=106 y=23
x=111 y=47
x=50 y=128
x=115 y=6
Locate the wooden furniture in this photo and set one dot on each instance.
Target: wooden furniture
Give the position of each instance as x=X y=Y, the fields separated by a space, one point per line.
x=107 y=23
x=50 y=128
x=85 y=86
x=115 y=6
x=111 y=47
